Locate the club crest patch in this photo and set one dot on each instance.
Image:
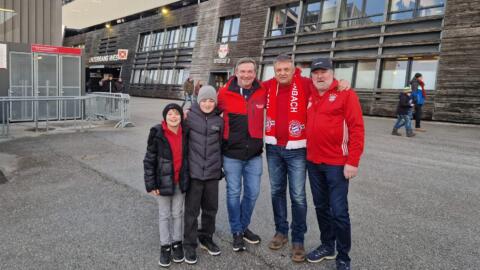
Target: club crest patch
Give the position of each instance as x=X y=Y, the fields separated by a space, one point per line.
x=295 y=128
x=332 y=97
x=269 y=123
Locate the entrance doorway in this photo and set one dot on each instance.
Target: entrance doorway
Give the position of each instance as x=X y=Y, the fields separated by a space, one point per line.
x=218 y=79
x=95 y=74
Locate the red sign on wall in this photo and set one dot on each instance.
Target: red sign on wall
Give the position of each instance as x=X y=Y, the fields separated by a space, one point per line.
x=39 y=48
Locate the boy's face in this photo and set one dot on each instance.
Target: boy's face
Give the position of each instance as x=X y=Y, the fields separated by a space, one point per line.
x=207 y=105
x=173 y=118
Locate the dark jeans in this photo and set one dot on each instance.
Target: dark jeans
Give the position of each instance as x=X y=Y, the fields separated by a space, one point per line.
x=330 y=192
x=287 y=167
x=201 y=195
x=418 y=114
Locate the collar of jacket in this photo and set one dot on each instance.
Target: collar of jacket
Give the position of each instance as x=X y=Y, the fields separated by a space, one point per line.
x=233 y=85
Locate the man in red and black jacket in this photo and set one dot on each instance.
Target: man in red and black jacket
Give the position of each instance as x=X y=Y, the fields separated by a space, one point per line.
x=242 y=101
x=335 y=139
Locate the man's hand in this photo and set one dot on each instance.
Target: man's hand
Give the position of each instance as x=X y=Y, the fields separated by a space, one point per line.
x=349 y=171
x=343 y=85
x=154 y=192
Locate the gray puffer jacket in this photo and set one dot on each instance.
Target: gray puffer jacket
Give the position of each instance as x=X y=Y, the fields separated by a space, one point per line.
x=205 y=133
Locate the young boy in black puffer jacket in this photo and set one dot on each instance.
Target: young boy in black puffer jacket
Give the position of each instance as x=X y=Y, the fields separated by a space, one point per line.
x=205 y=133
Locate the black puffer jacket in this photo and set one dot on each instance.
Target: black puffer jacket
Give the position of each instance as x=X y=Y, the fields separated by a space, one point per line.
x=158 y=163
x=404 y=104
x=205 y=133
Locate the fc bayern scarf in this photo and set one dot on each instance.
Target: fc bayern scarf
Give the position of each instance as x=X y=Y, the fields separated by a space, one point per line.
x=297 y=113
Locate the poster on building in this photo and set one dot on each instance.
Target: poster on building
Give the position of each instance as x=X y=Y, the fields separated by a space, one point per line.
x=3 y=55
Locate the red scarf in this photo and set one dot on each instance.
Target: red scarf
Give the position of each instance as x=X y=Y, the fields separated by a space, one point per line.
x=297 y=113
x=422 y=85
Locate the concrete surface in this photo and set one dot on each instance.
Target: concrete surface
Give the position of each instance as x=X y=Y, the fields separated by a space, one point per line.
x=76 y=200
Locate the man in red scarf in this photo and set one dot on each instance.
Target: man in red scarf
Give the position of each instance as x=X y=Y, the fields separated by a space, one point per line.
x=285 y=138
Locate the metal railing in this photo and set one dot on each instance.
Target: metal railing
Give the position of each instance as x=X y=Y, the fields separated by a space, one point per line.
x=78 y=109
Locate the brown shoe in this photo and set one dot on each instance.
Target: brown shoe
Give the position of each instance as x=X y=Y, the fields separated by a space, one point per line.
x=298 y=252
x=278 y=241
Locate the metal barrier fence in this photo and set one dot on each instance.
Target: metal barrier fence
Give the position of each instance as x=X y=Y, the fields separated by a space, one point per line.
x=96 y=106
x=110 y=106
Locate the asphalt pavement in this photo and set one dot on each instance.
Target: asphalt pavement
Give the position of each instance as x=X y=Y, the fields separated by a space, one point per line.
x=76 y=200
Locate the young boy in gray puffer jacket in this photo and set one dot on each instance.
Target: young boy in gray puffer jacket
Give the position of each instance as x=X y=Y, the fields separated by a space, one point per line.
x=205 y=133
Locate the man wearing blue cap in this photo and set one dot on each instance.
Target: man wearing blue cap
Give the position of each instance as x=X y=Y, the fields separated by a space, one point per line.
x=335 y=139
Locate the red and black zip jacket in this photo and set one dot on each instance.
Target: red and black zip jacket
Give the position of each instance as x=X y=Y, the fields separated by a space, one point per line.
x=243 y=118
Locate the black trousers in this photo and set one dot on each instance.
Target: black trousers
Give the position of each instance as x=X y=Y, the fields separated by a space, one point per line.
x=201 y=195
x=418 y=115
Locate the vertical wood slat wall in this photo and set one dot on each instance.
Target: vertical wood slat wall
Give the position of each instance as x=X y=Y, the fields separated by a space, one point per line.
x=35 y=21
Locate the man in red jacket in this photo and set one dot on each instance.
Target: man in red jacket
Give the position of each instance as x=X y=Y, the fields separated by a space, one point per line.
x=335 y=139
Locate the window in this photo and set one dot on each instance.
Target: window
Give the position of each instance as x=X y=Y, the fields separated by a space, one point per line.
x=398 y=72
x=136 y=76
x=344 y=71
x=158 y=40
x=268 y=72
x=144 y=43
x=408 y=9
x=361 y=74
x=229 y=28
x=428 y=68
x=394 y=74
x=189 y=34
x=360 y=12
x=365 y=75
x=283 y=20
x=319 y=14
x=173 y=35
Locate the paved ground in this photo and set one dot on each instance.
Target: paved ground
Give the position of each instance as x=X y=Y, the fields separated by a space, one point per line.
x=76 y=201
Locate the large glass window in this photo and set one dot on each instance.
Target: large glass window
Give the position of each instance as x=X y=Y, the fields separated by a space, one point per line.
x=144 y=42
x=268 y=72
x=359 y=12
x=173 y=35
x=365 y=75
x=158 y=40
x=284 y=19
x=397 y=73
x=344 y=71
x=229 y=28
x=407 y=9
x=319 y=14
x=394 y=74
x=189 y=34
x=428 y=68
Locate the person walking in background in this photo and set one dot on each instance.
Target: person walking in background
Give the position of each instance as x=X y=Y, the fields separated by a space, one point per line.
x=167 y=178
x=335 y=139
x=404 y=113
x=188 y=91
x=205 y=131
x=419 y=95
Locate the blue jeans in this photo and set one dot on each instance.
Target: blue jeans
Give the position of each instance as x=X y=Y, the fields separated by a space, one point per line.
x=404 y=120
x=330 y=192
x=288 y=166
x=187 y=97
x=240 y=209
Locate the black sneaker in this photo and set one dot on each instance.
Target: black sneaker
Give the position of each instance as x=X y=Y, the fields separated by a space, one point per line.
x=177 y=250
x=343 y=265
x=190 y=255
x=165 y=256
x=321 y=253
x=250 y=237
x=238 y=243
x=208 y=244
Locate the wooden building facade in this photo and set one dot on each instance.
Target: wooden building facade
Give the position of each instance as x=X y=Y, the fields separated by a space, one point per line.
x=378 y=45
